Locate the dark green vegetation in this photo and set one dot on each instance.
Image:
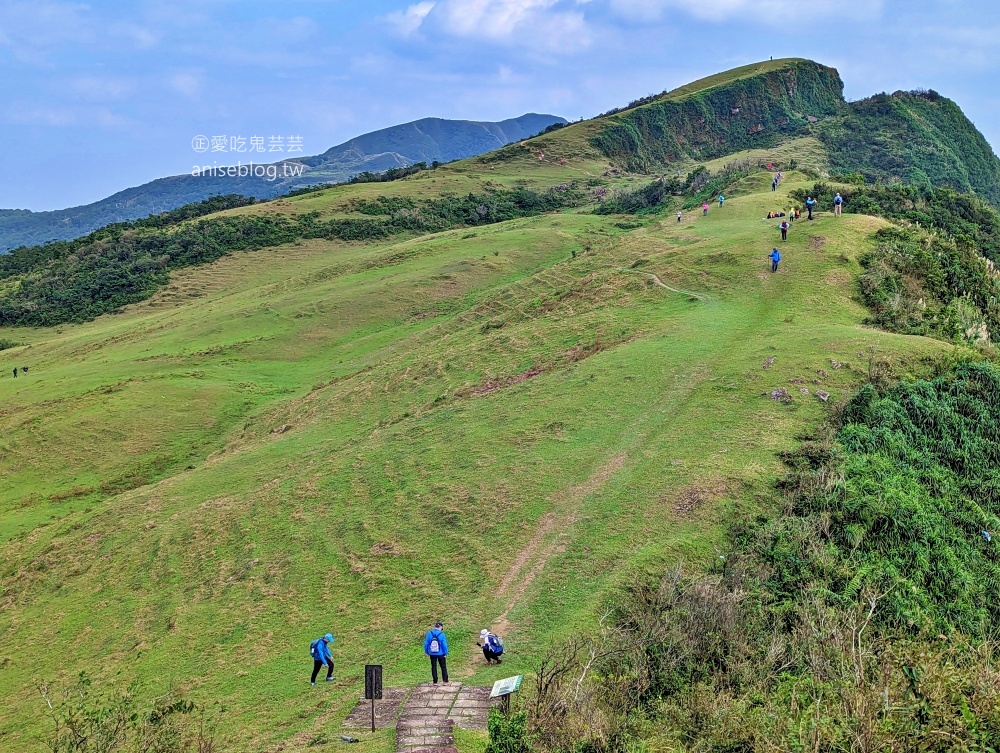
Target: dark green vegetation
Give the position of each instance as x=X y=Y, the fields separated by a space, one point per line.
x=28 y=258
x=915 y=137
x=699 y=186
x=750 y=112
x=859 y=613
x=933 y=274
x=85 y=719
x=78 y=280
x=427 y=140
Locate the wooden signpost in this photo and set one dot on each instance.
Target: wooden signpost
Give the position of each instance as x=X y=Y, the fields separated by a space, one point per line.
x=373 y=686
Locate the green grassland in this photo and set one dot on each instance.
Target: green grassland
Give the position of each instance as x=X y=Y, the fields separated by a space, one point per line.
x=488 y=426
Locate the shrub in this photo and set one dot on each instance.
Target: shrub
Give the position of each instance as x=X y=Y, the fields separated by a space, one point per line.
x=507 y=735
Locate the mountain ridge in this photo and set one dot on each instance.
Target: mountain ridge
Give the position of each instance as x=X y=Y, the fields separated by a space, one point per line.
x=424 y=140
x=405 y=390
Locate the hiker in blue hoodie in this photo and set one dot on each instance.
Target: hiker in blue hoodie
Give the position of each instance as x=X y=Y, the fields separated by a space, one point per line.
x=436 y=647
x=722 y=200
x=319 y=649
x=775 y=258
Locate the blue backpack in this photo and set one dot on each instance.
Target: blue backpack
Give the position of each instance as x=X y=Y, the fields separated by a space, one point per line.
x=314 y=649
x=495 y=643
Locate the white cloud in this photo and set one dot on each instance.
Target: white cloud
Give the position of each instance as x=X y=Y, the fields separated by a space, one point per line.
x=34 y=30
x=186 y=83
x=140 y=37
x=551 y=25
x=101 y=88
x=408 y=21
x=766 y=11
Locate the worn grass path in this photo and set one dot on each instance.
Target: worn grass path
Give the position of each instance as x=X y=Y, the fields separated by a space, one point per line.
x=487 y=431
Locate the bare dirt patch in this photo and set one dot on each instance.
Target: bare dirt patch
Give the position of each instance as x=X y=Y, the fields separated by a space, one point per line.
x=696 y=495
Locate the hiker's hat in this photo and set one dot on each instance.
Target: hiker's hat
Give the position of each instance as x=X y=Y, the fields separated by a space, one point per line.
x=438 y=625
x=328 y=638
x=484 y=632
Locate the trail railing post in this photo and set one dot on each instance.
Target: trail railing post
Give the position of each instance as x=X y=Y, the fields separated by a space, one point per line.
x=373 y=686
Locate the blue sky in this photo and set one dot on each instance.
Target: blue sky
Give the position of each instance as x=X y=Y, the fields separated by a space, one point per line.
x=97 y=96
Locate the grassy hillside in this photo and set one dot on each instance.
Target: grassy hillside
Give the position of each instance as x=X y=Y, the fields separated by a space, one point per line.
x=753 y=106
x=492 y=425
x=914 y=137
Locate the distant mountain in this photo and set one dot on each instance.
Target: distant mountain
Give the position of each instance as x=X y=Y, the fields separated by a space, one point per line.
x=426 y=140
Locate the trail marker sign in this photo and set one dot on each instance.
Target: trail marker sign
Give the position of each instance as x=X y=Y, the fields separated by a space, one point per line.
x=373 y=686
x=502 y=689
x=373 y=681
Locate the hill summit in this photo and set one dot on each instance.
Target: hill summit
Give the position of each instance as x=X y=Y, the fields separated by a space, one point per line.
x=511 y=392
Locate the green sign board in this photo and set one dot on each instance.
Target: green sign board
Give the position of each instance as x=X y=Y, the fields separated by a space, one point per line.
x=506 y=686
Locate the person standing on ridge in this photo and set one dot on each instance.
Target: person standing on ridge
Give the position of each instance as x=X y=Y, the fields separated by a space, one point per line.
x=775 y=258
x=810 y=203
x=838 y=202
x=679 y=215
x=436 y=647
x=784 y=230
x=721 y=200
x=319 y=649
x=704 y=209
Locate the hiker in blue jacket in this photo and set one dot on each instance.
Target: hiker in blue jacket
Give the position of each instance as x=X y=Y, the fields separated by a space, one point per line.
x=722 y=199
x=810 y=203
x=319 y=649
x=775 y=258
x=436 y=647
x=491 y=645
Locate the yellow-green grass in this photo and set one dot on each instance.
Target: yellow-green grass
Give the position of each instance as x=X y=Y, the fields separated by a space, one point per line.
x=155 y=524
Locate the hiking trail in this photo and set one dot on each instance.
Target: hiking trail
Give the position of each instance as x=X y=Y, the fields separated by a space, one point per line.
x=426 y=716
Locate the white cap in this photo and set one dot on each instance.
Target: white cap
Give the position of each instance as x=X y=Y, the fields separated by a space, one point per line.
x=484 y=631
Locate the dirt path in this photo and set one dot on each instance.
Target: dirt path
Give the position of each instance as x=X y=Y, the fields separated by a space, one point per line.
x=662 y=284
x=547 y=541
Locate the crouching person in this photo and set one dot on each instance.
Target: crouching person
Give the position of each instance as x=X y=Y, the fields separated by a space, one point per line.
x=492 y=646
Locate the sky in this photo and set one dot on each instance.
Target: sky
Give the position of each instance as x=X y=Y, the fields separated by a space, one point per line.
x=102 y=95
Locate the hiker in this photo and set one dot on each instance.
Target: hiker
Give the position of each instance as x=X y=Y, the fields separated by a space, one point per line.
x=436 y=647
x=838 y=202
x=319 y=650
x=704 y=209
x=15 y=372
x=721 y=200
x=810 y=203
x=791 y=214
x=679 y=215
x=784 y=230
x=798 y=212
x=775 y=258
x=24 y=369
x=770 y=216
x=774 y=184
x=492 y=646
